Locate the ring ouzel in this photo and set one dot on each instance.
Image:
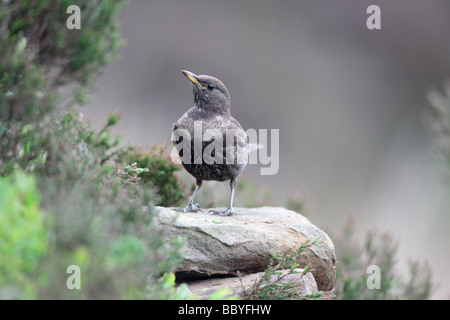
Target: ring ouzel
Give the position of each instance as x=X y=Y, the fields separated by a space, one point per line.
x=211 y=111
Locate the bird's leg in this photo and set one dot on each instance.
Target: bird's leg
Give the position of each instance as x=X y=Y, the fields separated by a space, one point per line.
x=191 y=206
x=229 y=211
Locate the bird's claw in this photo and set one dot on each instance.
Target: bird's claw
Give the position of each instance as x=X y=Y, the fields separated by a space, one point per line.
x=228 y=212
x=192 y=207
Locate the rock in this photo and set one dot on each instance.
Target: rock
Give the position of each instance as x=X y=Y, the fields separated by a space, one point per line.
x=245 y=242
x=305 y=284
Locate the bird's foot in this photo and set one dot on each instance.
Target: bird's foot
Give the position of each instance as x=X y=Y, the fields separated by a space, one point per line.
x=228 y=212
x=192 y=207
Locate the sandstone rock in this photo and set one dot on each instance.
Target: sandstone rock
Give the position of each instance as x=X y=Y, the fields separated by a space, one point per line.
x=306 y=284
x=246 y=241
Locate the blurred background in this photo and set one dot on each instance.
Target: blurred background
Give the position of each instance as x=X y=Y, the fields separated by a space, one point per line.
x=349 y=102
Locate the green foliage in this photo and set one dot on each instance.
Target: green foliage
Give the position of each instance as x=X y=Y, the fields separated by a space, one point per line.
x=166 y=289
x=274 y=283
x=40 y=56
x=377 y=249
x=127 y=250
x=23 y=94
x=24 y=102
x=99 y=216
x=23 y=237
x=70 y=194
x=109 y=230
x=43 y=24
x=130 y=174
x=160 y=174
x=97 y=212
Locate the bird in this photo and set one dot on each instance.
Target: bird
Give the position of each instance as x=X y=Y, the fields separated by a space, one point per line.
x=211 y=111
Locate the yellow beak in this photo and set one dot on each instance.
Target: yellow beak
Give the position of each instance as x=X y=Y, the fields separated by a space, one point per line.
x=193 y=78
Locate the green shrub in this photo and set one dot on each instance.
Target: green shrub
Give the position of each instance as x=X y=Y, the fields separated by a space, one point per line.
x=97 y=214
x=92 y=216
x=23 y=237
x=272 y=284
x=378 y=249
x=39 y=57
x=169 y=190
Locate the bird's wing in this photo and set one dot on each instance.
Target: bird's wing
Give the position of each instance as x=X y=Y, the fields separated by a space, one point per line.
x=237 y=152
x=242 y=139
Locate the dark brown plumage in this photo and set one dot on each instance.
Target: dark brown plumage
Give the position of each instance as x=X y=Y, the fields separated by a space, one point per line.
x=211 y=111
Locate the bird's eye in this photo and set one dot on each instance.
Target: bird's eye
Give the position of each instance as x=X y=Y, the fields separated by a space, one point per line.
x=211 y=86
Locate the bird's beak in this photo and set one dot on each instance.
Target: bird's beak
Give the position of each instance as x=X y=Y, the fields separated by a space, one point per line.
x=193 y=78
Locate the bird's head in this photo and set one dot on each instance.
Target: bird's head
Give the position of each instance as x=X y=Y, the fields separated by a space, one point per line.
x=210 y=94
